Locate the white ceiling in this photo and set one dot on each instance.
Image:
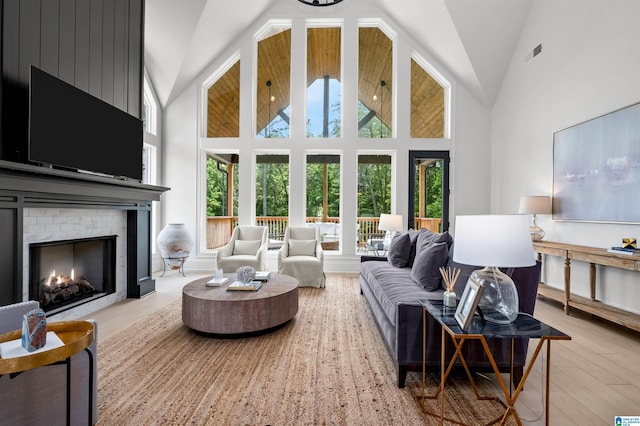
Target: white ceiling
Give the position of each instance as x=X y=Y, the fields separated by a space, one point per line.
x=474 y=39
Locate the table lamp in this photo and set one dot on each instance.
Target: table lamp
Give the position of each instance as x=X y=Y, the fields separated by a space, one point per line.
x=535 y=204
x=494 y=241
x=391 y=223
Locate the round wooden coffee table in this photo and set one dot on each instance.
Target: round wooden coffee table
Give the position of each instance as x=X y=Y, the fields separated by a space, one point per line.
x=218 y=311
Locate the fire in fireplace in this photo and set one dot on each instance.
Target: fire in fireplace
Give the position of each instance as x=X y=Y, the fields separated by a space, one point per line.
x=88 y=271
x=57 y=288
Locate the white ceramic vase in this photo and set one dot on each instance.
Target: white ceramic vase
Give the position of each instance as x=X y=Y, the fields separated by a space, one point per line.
x=175 y=243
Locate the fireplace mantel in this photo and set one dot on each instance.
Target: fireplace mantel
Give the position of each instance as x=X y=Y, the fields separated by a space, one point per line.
x=24 y=185
x=37 y=184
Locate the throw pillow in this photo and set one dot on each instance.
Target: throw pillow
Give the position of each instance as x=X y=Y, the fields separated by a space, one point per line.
x=413 y=236
x=302 y=247
x=246 y=247
x=426 y=266
x=427 y=237
x=399 y=250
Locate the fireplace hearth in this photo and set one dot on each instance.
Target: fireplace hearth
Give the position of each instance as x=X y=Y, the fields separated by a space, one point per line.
x=64 y=274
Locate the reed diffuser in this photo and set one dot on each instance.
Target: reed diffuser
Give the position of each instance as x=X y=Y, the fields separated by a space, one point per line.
x=450 y=276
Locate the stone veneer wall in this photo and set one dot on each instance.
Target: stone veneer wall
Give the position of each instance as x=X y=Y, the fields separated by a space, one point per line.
x=53 y=224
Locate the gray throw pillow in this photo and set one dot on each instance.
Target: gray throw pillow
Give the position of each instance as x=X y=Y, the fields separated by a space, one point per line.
x=426 y=266
x=427 y=237
x=399 y=250
x=413 y=236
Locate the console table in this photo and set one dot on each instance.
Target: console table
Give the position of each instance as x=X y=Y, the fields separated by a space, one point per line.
x=594 y=256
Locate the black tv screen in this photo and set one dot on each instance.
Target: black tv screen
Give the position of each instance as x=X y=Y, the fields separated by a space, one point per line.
x=71 y=129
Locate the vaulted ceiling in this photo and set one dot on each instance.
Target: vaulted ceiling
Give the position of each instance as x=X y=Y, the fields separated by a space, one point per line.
x=473 y=39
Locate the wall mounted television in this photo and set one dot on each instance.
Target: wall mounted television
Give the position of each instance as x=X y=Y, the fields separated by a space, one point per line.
x=596 y=169
x=71 y=129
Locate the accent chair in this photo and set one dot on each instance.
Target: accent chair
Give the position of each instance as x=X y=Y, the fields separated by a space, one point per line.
x=301 y=256
x=247 y=247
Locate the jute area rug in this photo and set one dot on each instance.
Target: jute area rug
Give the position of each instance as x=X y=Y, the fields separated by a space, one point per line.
x=329 y=365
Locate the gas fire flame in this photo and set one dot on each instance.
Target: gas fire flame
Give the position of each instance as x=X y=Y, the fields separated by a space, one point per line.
x=58 y=279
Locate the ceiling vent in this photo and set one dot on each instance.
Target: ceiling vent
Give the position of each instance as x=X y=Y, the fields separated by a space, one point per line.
x=533 y=53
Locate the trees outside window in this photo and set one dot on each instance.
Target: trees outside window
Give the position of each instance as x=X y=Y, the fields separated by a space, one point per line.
x=272 y=193
x=222 y=197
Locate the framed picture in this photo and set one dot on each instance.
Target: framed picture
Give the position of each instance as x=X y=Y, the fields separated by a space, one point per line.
x=595 y=169
x=468 y=303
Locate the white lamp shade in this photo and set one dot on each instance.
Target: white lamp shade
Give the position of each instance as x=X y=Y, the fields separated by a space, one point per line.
x=493 y=240
x=535 y=204
x=390 y=222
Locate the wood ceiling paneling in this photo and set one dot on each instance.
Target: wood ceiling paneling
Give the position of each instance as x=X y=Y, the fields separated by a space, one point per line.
x=274 y=64
x=427 y=104
x=223 y=105
x=375 y=64
x=324 y=54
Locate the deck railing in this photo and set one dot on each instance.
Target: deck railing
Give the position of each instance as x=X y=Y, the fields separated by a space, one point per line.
x=219 y=228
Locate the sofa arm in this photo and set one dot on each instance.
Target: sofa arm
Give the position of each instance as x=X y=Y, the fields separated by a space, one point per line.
x=11 y=315
x=409 y=333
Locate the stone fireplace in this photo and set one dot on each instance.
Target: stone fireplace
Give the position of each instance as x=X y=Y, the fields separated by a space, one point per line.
x=86 y=242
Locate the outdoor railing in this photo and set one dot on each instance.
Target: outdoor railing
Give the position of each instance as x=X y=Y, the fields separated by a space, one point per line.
x=219 y=228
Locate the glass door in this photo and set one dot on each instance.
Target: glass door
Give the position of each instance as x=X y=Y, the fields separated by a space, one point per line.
x=429 y=190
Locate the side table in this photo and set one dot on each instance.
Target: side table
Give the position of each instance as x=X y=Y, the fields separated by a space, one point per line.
x=524 y=327
x=76 y=336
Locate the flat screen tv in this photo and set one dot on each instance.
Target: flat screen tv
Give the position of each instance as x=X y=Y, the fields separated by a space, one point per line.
x=71 y=129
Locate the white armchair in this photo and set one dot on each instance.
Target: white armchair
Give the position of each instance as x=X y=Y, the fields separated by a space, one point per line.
x=247 y=247
x=301 y=256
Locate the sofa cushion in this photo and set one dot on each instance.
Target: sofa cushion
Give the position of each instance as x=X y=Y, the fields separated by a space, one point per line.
x=302 y=247
x=391 y=286
x=427 y=263
x=246 y=247
x=399 y=253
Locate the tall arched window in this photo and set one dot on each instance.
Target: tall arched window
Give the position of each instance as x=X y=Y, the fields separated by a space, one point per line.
x=273 y=83
x=375 y=83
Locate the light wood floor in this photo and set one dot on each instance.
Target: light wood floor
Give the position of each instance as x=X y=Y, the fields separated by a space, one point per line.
x=594 y=377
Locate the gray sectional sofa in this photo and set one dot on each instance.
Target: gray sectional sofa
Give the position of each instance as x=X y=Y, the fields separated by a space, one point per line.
x=394 y=285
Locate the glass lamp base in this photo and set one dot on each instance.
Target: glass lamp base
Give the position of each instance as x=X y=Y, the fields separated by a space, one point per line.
x=499 y=302
x=537 y=233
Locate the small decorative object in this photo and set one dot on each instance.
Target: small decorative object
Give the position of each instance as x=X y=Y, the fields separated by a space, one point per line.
x=468 y=304
x=245 y=274
x=218 y=274
x=175 y=243
x=629 y=243
x=450 y=276
x=34 y=330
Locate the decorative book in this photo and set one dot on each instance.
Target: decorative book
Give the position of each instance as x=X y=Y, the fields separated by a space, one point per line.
x=217 y=282
x=240 y=286
x=624 y=250
x=34 y=330
x=263 y=275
